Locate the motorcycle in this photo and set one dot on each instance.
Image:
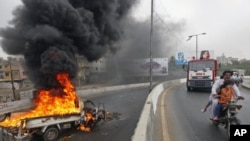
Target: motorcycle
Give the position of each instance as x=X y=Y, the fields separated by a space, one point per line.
x=237 y=81
x=229 y=115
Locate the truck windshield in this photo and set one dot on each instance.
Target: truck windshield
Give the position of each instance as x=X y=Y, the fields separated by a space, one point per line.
x=195 y=66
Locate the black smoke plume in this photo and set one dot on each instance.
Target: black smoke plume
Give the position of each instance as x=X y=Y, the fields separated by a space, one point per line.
x=50 y=32
x=136 y=45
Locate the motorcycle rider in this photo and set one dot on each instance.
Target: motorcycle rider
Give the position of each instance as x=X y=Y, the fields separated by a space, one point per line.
x=225 y=95
x=213 y=100
x=236 y=78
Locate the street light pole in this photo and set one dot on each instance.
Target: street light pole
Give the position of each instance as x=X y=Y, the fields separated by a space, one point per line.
x=196 y=47
x=196 y=35
x=151 y=39
x=12 y=83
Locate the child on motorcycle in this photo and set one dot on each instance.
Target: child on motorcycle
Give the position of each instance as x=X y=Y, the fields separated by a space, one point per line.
x=210 y=101
x=225 y=95
x=213 y=100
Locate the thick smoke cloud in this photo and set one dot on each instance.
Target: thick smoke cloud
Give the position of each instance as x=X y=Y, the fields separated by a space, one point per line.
x=136 y=41
x=50 y=32
x=136 y=45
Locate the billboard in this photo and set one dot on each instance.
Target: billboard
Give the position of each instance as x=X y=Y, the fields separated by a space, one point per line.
x=141 y=67
x=182 y=58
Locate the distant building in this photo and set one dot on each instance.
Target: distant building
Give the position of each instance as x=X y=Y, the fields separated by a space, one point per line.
x=12 y=70
x=97 y=70
x=83 y=67
x=98 y=66
x=90 y=71
x=226 y=60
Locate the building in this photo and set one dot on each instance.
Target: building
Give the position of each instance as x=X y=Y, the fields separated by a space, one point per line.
x=83 y=68
x=226 y=60
x=97 y=70
x=98 y=66
x=11 y=70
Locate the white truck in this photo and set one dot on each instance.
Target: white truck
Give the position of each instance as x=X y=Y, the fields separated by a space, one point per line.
x=50 y=126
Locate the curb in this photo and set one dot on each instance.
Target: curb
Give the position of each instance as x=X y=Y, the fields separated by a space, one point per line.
x=246 y=85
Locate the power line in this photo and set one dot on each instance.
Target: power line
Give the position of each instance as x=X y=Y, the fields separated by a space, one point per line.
x=169 y=29
x=165 y=9
x=167 y=13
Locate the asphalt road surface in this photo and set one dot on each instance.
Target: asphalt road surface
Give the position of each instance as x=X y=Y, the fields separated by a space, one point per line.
x=187 y=123
x=126 y=107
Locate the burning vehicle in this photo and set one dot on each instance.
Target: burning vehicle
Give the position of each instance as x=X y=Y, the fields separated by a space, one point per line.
x=49 y=34
x=53 y=114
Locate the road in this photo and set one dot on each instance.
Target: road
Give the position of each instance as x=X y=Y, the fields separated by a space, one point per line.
x=187 y=123
x=126 y=105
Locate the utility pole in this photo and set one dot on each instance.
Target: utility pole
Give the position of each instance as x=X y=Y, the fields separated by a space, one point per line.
x=12 y=82
x=151 y=39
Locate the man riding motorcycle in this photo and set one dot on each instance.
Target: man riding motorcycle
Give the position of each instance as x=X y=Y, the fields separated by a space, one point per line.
x=213 y=100
x=236 y=79
x=224 y=97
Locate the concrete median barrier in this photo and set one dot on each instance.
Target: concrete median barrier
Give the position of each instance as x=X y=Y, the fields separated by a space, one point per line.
x=145 y=125
x=102 y=90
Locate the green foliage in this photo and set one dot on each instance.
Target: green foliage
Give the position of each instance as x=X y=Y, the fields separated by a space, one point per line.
x=236 y=65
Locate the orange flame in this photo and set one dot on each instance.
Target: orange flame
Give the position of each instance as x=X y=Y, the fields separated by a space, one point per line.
x=86 y=127
x=50 y=102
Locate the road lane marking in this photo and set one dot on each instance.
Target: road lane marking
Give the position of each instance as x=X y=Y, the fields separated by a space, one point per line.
x=165 y=132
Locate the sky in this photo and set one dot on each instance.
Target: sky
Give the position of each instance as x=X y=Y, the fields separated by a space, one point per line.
x=225 y=22
x=6 y=8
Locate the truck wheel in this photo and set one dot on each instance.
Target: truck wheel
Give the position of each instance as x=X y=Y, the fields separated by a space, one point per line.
x=188 y=89
x=51 y=134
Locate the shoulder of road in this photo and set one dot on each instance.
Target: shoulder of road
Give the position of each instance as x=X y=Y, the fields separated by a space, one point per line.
x=246 y=84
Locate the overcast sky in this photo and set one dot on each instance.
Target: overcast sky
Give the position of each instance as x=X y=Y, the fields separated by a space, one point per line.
x=226 y=22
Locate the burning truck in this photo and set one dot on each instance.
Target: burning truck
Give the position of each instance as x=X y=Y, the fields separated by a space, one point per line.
x=52 y=114
x=49 y=34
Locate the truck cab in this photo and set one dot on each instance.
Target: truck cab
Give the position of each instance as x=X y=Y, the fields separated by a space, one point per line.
x=201 y=74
